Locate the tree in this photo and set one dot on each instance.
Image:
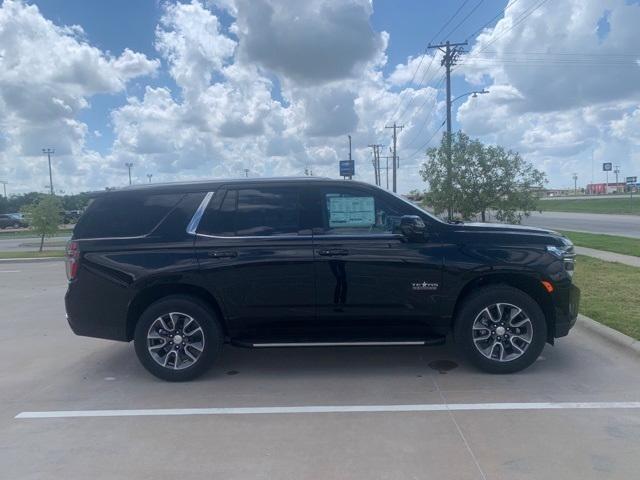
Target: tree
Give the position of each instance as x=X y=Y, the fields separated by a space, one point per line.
x=484 y=178
x=44 y=216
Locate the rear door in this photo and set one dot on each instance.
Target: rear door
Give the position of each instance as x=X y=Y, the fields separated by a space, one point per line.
x=256 y=254
x=371 y=281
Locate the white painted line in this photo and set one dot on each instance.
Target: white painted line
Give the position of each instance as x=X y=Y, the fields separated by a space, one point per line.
x=434 y=407
x=9 y=271
x=336 y=344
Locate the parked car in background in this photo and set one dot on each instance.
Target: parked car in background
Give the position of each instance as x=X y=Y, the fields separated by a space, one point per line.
x=183 y=268
x=71 y=216
x=12 y=220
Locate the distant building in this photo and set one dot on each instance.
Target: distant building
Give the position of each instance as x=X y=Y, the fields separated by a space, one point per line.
x=604 y=188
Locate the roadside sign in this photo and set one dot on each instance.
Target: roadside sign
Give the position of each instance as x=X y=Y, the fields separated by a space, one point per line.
x=347 y=168
x=632 y=179
x=606 y=167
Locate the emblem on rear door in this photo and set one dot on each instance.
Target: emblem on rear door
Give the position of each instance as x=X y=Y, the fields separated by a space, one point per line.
x=424 y=286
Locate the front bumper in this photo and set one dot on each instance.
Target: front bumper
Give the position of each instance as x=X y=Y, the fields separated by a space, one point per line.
x=567 y=303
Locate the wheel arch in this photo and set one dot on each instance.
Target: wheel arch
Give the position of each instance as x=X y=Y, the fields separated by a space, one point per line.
x=526 y=283
x=151 y=294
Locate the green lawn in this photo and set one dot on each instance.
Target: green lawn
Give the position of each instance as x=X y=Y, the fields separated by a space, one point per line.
x=610 y=293
x=619 y=205
x=46 y=253
x=610 y=243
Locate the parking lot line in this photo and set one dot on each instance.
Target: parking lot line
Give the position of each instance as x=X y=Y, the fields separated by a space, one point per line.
x=435 y=407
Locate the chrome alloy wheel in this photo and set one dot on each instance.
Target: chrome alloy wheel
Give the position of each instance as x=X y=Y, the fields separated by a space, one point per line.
x=502 y=332
x=175 y=340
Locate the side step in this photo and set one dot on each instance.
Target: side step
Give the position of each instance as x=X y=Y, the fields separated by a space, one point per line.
x=431 y=341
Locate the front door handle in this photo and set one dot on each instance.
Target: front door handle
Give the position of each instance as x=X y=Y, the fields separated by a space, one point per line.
x=223 y=253
x=333 y=252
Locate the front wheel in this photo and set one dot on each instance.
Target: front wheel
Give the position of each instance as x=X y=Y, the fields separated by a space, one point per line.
x=500 y=329
x=177 y=338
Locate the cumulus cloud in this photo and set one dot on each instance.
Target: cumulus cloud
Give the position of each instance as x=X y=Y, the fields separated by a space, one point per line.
x=47 y=75
x=308 y=42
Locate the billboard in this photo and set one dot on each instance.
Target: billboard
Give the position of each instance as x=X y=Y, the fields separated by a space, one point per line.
x=606 y=167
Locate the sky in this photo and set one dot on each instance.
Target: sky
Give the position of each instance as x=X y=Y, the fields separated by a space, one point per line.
x=208 y=88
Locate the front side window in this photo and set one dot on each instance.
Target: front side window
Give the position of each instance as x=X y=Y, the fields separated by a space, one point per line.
x=353 y=212
x=246 y=212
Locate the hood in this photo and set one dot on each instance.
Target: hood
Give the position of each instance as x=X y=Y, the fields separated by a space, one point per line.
x=502 y=228
x=500 y=232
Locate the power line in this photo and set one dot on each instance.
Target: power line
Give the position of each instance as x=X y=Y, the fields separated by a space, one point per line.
x=501 y=12
x=419 y=149
x=448 y=35
x=517 y=22
x=426 y=118
x=432 y=58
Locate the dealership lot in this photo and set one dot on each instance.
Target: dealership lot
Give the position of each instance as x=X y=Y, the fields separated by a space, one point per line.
x=45 y=368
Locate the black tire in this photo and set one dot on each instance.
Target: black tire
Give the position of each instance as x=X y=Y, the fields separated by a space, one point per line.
x=212 y=336
x=473 y=307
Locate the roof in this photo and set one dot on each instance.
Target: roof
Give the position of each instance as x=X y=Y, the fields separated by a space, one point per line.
x=213 y=184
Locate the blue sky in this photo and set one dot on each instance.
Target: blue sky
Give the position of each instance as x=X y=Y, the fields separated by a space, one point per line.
x=206 y=88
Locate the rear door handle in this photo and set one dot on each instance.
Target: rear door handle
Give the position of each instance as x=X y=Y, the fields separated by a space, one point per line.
x=223 y=253
x=333 y=252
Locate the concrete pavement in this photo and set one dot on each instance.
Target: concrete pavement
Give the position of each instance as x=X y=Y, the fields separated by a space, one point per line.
x=623 y=225
x=44 y=367
x=609 y=256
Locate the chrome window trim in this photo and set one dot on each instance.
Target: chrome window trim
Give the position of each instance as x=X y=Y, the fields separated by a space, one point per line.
x=197 y=216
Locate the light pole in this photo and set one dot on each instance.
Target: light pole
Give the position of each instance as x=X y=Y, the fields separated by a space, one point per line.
x=473 y=94
x=575 y=183
x=129 y=165
x=48 y=152
x=4 y=185
x=149 y=175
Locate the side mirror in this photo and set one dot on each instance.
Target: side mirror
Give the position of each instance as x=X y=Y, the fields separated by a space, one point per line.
x=413 y=228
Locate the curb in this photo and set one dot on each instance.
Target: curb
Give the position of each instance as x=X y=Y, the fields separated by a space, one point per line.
x=31 y=260
x=612 y=336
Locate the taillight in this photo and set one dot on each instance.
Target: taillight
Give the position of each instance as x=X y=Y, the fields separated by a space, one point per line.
x=72 y=259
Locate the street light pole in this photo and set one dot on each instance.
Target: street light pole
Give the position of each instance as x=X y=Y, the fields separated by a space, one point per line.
x=4 y=185
x=48 y=152
x=129 y=165
x=149 y=175
x=575 y=183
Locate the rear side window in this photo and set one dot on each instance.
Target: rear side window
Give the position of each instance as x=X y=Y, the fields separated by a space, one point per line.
x=254 y=212
x=124 y=215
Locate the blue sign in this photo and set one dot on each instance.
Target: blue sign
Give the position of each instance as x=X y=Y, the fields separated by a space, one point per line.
x=347 y=168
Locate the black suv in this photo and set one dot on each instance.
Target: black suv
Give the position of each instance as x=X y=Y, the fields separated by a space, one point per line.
x=182 y=269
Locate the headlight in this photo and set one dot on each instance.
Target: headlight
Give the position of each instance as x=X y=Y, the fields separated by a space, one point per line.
x=564 y=253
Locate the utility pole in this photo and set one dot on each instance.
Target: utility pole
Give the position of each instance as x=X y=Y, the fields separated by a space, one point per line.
x=48 y=152
x=394 y=165
x=376 y=161
x=350 y=177
x=4 y=185
x=149 y=175
x=129 y=165
x=617 y=171
x=387 y=168
x=451 y=53
x=246 y=172
x=575 y=183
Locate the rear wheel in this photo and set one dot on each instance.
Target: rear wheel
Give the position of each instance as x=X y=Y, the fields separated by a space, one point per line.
x=177 y=338
x=500 y=329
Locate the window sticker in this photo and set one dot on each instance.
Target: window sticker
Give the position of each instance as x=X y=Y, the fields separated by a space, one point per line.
x=351 y=212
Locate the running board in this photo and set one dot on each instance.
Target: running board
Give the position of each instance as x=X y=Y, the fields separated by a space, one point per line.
x=364 y=343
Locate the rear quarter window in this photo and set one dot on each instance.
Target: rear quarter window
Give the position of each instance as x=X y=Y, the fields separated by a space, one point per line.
x=124 y=215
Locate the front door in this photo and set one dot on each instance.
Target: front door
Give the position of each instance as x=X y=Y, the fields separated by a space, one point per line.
x=372 y=281
x=257 y=259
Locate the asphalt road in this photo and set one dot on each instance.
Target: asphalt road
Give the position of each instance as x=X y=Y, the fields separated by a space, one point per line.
x=623 y=225
x=45 y=368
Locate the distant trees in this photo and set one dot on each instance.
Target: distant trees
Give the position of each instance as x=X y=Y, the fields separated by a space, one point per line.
x=44 y=216
x=484 y=178
x=16 y=203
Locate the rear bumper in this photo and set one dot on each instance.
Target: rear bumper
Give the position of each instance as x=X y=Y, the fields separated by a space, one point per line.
x=567 y=303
